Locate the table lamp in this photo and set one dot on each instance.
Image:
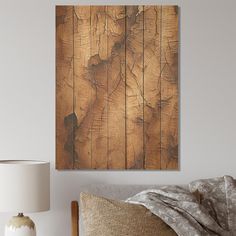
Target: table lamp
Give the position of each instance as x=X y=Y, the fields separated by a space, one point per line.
x=25 y=188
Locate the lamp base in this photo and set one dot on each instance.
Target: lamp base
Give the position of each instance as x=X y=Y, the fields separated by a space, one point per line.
x=20 y=226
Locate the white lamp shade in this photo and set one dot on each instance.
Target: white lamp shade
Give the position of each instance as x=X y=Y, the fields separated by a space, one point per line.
x=24 y=186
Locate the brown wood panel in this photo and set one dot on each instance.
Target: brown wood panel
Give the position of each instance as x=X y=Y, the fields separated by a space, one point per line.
x=83 y=87
x=134 y=87
x=64 y=87
x=152 y=98
x=98 y=74
x=116 y=86
x=169 y=88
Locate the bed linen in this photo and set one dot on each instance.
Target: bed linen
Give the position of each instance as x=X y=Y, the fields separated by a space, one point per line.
x=207 y=207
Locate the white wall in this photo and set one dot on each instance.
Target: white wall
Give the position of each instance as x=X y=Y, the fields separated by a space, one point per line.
x=27 y=99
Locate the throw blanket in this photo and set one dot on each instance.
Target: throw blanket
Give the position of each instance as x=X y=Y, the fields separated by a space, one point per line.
x=207 y=208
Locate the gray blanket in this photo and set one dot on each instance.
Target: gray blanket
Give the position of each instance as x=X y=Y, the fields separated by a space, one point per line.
x=208 y=207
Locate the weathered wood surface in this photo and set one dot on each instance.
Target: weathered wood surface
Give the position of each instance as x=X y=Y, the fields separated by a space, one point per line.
x=152 y=82
x=134 y=87
x=169 y=88
x=98 y=73
x=117 y=87
x=64 y=87
x=83 y=88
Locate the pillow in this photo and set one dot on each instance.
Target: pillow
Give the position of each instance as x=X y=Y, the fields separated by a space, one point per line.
x=105 y=217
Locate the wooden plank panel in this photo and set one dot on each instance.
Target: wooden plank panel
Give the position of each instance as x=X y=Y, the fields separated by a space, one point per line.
x=64 y=87
x=98 y=74
x=116 y=86
x=152 y=114
x=134 y=87
x=169 y=88
x=83 y=88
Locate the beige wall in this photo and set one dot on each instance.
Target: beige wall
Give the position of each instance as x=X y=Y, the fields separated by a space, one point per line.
x=27 y=99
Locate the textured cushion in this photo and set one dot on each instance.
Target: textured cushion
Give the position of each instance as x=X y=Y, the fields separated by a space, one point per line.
x=105 y=217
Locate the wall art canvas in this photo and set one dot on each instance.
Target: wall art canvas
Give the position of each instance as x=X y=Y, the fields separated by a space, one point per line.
x=117 y=87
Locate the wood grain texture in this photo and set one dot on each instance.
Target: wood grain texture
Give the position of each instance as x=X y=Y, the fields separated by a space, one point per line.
x=83 y=88
x=98 y=74
x=64 y=86
x=134 y=87
x=152 y=93
x=169 y=88
x=117 y=87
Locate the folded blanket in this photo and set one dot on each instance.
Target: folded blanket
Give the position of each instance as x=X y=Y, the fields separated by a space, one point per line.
x=207 y=208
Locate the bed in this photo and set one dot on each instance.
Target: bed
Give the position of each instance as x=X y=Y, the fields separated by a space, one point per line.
x=202 y=206
x=118 y=192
